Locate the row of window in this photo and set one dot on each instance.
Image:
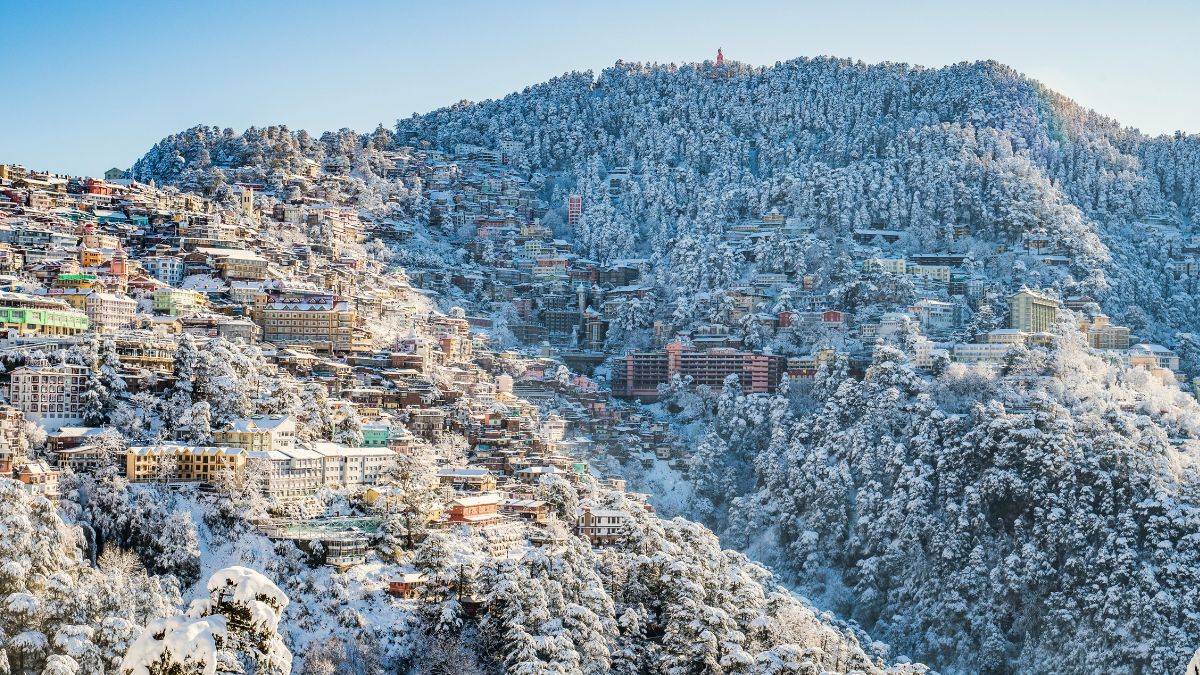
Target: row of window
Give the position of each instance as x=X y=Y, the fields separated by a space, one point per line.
x=59 y=410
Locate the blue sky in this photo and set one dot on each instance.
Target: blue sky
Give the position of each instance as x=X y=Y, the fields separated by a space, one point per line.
x=91 y=85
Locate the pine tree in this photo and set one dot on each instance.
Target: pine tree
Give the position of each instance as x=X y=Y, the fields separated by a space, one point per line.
x=410 y=500
x=347 y=427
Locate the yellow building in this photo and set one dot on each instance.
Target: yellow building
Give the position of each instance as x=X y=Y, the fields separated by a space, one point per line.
x=91 y=257
x=891 y=265
x=1031 y=312
x=191 y=463
x=320 y=323
x=936 y=272
x=178 y=301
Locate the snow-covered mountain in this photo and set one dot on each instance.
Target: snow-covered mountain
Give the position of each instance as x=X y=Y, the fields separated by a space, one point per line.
x=1034 y=519
x=840 y=144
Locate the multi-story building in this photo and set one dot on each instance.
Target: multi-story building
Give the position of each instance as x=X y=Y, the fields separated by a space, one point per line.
x=467 y=479
x=475 y=510
x=1102 y=334
x=925 y=353
x=1153 y=356
x=23 y=315
x=427 y=423
x=301 y=471
x=936 y=316
x=109 y=312
x=259 y=433
x=236 y=263
x=181 y=463
x=238 y=329
x=341 y=225
x=890 y=265
x=295 y=473
x=39 y=478
x=319 y=322
x=11 y=451
x=376 y=435
x=343 y=466
x=167 y=269
x=178 y=301
x=574 y=209
x=138 y=349
x=940 y=273
x=639 y=374
x=1031 y=311
x=989 y=353
x=600 y=526
x=48 y=395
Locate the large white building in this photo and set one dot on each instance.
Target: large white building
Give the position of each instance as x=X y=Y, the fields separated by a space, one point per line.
x=48 y=395
x=347 y=467
x=989 y=352
x=936 y=316
x=109 y=312
x=1031 y=311
x=301 y=471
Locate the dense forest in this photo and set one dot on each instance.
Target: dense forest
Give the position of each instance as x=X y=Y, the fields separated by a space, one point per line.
x=1037 y=518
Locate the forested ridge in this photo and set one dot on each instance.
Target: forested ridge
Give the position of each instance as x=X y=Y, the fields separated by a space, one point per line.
x=1036 y=518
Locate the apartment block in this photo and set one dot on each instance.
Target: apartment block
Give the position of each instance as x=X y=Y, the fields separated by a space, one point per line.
x=181 y=463
x=23 y=315
x=639 y=374
x=319 y=322
x=1031 y=311
x=48 y=395
x=109 y=312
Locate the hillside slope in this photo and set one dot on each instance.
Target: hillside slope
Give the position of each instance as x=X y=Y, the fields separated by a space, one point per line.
x=837 y=143
x=1031 y=519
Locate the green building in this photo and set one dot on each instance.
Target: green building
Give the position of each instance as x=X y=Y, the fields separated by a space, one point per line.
x=177 y=301
x=376 y=435
x=22 y=314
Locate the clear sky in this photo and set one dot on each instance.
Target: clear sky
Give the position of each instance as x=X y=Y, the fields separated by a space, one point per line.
x=89 y=85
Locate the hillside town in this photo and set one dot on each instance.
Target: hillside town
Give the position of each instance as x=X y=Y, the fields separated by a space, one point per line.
x=523 y=384
x=141 y=271
x=353 y=370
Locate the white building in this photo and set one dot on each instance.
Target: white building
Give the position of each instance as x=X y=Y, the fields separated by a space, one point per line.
x=892 y=265
x=936 y=316
x=926 y=351
x=165 y=268
x=1152 y=356
x=990 y=353
x=893 y=323
x=48 y=395
x=301 y=471
x=349 y=467
x=297 y=472
x=109 y=312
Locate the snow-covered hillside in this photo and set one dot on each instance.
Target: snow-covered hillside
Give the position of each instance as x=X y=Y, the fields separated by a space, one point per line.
x=1034 y=515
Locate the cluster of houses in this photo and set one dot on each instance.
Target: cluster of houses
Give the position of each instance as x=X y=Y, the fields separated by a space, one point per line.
x=141 y=265
x=1030 y=318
